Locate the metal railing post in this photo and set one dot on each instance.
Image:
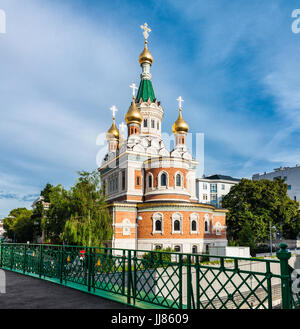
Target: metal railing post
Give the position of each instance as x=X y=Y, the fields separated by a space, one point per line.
x=197 y=283
x=89 y=269
x=123 y=272
x=25 y=258
x=189 y=281
x=11 y=257
x=180 y=281
x=61 y=265
x=284 y=255
x=129 y=278
x=41 y=265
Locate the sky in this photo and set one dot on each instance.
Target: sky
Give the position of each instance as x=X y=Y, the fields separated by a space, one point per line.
x=64 y=63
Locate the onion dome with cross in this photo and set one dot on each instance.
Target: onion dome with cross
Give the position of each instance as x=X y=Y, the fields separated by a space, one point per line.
x=180 y=126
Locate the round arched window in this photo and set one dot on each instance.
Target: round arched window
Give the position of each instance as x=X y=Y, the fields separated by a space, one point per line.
x=177 y=248
x=178 y=180
x=163 y=179
x=194 y=225
x=176 y=225
x=158 y=225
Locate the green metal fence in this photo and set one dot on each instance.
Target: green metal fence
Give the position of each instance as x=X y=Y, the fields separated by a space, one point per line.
x=161 y=279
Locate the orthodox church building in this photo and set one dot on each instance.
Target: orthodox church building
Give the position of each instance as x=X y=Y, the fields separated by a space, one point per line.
x=151 y=191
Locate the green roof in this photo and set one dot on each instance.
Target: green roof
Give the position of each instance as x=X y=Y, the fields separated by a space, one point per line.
x=145 y=91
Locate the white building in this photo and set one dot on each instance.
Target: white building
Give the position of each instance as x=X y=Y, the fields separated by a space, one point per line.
x=212 y=189
x=291 y=175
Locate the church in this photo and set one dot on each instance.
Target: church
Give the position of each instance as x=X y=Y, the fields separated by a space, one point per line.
x=150 y=190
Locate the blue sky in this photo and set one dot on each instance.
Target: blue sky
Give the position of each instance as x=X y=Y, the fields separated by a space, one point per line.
x=64 y=63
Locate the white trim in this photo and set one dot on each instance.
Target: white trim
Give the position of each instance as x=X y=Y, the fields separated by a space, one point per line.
x=157 y=216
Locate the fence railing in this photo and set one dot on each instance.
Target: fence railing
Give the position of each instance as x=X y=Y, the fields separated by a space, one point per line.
x=161 y=279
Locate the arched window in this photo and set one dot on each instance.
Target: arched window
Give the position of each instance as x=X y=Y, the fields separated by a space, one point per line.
x=176 y=225
x=158 y=225
x=194 y=250
x=177 y=248
x=194 y=225
x=206 y=224
x=163 y=179
x=178 y=180
x=150 y=181
x=145 y=123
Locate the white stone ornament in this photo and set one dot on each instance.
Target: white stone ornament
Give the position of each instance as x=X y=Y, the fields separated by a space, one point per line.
x=146 y=30
x=114 y=110
x=180 y=101
x=134 y=88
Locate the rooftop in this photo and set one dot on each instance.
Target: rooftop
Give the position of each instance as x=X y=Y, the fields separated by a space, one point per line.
x=221 y=177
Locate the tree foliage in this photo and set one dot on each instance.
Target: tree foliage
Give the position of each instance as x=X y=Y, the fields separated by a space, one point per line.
x=90 y=221
x=18 y=225
x=254 y=206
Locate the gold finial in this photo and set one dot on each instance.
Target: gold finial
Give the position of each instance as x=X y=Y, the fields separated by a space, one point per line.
x=145 y=56
x=180 y=126
x=113 y=131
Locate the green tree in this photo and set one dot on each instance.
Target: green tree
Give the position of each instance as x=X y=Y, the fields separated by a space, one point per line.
x=19 y=225
x=59 y=212
x=45 y=193
x=90 y=223
x=254 y=205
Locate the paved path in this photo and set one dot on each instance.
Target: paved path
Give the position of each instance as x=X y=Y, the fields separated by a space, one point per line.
x=24 y=292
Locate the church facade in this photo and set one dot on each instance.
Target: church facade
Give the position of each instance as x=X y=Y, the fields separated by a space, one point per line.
x=151 y=191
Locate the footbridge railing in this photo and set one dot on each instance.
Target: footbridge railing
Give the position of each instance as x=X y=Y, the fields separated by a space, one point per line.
x=159 y=279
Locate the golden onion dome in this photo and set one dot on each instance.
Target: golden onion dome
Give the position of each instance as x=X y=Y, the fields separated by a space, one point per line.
x=180 y=126
x=145 y=56
x=134 y=114
x=113 y=131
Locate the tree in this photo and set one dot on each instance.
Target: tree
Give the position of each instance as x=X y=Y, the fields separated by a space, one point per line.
x=59 y=212
x=255 y=205
x=45 y=193
x=18 y=225
x=90 y=223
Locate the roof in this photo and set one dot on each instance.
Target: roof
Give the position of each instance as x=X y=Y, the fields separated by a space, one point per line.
x=145 y=91
x=222 y=177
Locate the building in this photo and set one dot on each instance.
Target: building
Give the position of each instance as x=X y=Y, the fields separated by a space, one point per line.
x=291 y=175
x=151 y=191
x=212 y=189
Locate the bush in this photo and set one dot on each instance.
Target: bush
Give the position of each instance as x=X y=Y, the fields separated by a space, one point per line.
x=157 y=258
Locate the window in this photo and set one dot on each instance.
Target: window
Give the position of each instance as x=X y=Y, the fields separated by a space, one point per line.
x=157 y=125
x=152 y=124
x=204 y=186
x=213 y=197
x=163 y=179
x=145 y=123
x=213 y=187
x=194 y=250
x=206 y=226
x=158 y=247
x=138 y=181
x=223 y=187
x=194 y=225
x=178 y=180
x=176 y=225
x=150 y=181
x=289 y=187
x=205 y=197
x=158 y=225
x=177 y=248
x=123 y=180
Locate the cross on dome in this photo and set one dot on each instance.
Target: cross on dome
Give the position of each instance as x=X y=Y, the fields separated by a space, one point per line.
x=180 y=101
x=146 y=30
x=122 y=127
x=114 y=110
x=134 y=88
